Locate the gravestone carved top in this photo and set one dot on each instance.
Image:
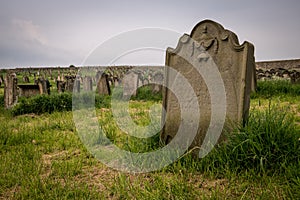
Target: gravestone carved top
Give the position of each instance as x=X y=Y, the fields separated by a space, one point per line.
x=211 y=59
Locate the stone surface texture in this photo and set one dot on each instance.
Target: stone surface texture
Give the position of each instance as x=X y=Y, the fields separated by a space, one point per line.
x=209 y=44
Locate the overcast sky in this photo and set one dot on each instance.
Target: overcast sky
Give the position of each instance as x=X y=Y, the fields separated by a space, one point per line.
x=61 y=33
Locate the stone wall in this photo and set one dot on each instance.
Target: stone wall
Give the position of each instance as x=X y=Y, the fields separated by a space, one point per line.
x=276 y=64
x=280 y=69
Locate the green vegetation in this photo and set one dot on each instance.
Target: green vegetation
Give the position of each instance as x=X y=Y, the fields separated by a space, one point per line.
x=43 y=104
x=56 y=103
x=42 y=157
x=63 y=102
x=271 y=88
x=268 y=144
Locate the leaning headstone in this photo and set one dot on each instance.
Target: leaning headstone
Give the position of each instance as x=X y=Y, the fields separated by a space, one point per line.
x=130 y=84
x=44 y=85
x=61 y=86
x=103 y=85
x=69 y=83
x=10 y=90
x=208 y=47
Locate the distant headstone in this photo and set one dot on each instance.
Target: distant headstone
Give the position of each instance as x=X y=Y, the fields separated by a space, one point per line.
x=103 y=85
x=26 y=90
x=48 y=86
x=158 y=80
x=130 y=84
x=141 y=80
x=87 y=83
x=70 y=83
x=98 y=75
x=208 y=45
x=76 y=88
x=44 y=85
x=116 y=81
x=10 y=90
x=50 y=72
x=61 y=85
x=26 y=79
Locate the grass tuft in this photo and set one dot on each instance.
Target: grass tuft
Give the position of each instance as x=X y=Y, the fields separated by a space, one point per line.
x=273 y=88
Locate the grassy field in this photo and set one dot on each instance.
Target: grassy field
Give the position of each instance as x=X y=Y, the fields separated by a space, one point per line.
x=42 y=156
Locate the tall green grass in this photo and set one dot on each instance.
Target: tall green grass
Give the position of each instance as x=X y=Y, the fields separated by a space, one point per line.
x=63 y=102
x=43 y=158
x=56 y=103
x=269 y=144
x=43 y=104
x=145 y=93
x=25 y=173
x=273 y=88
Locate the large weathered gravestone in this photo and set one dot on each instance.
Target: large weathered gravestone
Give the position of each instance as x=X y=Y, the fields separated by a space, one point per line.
x=10 y=90
x=130 y=84
x=195 y=56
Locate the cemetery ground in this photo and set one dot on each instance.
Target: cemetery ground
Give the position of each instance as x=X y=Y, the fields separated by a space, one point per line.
x=42 y=156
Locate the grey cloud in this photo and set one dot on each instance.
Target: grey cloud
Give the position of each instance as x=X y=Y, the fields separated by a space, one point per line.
x=53 y=32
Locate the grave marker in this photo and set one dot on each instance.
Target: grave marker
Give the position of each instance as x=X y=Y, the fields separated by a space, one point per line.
x=26 y=90
x=10 y=90
x=61 y=85
x=130 y=84
x=158 y=80
x=103 y=85
x=87 y=83
x=76 y=88
x=209 y=45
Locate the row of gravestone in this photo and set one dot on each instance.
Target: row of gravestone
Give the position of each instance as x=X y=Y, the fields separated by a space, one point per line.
x=13 y=90
x=131 y=81
x=114 y=72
